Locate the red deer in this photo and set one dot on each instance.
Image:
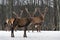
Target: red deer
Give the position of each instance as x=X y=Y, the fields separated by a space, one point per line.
x=38 y=20
x=18 y=22
x=24 y=22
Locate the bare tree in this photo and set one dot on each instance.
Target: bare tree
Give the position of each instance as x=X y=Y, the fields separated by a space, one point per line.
x=55 y=13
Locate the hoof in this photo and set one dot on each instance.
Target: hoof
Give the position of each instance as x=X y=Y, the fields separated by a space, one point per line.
x=12 y=36
x=25 y=36
x=15 y=30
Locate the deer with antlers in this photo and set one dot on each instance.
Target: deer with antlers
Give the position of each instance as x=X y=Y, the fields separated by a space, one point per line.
x=24 y=22
x=17 y=22
x=38 y=20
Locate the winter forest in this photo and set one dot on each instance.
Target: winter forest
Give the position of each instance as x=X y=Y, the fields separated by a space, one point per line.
x=51 y=19
x=29 y=19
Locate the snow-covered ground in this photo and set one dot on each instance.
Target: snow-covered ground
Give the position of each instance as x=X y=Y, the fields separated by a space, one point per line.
x=43 y=35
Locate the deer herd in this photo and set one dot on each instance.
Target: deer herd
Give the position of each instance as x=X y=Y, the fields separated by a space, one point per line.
x=17 y=21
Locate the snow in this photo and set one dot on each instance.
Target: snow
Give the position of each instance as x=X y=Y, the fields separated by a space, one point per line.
x=43 y=35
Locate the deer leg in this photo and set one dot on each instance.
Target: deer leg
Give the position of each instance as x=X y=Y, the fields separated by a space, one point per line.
x=33 y=28
x=7 y=27
x=25 y=28
x=28 y=29
x=15 y=28
x=12 y=32
x=36 y=27
x=39 y=28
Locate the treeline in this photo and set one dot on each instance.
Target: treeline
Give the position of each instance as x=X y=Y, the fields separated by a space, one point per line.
x=8 y=6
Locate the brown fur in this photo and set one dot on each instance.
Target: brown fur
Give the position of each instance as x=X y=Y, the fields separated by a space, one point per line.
x=20 y=22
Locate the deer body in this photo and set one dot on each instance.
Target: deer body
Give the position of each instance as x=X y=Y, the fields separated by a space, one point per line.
x=24 y=22
x=38 y=20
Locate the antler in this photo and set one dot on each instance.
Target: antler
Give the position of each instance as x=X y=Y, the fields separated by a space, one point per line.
x=15 y=14
x=44 y=12
x=21 y=13
x=34 y=12
x=27 y=11
x=39 y=11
